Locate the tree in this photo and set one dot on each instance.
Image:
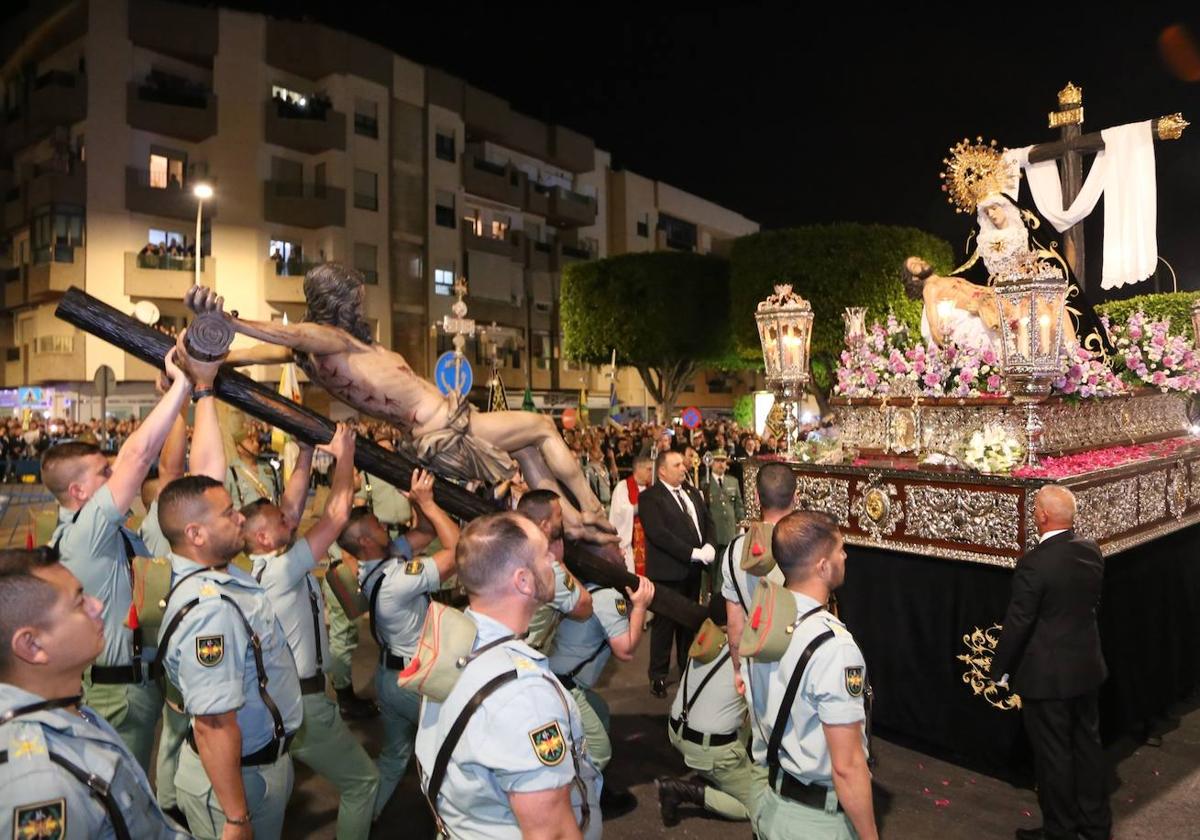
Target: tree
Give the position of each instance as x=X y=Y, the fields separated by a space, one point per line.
x=832 y=266
x=666 y=313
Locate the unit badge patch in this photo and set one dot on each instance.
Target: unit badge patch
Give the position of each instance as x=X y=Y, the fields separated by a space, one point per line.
x=854 y=681
x=414 y=567
x=622 y=606
x=41 y=821
x=549 y=744
x=210 y=650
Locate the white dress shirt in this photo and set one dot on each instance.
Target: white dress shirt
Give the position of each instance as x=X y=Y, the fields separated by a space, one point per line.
x=677 y=494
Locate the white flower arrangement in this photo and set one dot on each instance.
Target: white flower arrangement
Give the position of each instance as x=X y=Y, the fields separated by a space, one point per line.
x=992 y=450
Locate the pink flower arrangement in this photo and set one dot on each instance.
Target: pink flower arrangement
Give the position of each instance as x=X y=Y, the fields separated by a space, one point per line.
x=1147 y=354
x=1102 y=459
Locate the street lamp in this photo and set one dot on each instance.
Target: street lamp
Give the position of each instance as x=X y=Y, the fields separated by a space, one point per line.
x=202 y=191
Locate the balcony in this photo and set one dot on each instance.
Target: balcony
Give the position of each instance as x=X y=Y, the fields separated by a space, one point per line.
x=574 y=253
x=55 y=358
x=153 y=276
x=492 y=180
x=172 y=109
x=537 y=198
x=284 y=288
x=58 y=98
x=175 y=29
x=570 y=209
x=54 y=270
x=172 y=202
x=508 y=246
x=304 y=205
x=52 y=184
x=312 y=130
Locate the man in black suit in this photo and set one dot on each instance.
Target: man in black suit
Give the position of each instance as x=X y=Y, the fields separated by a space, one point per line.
x=678 y=539
x=1050 y=644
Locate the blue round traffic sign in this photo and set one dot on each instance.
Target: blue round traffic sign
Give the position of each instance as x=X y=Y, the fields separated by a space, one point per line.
x=691 y=417
x=444 y=373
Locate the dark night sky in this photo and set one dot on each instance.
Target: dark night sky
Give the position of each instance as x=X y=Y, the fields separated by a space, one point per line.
x=792 y=116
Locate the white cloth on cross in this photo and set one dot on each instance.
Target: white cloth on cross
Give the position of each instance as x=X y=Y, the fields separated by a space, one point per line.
x=1124 y=173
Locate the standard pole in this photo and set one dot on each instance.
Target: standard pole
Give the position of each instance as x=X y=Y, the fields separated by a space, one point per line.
x=199 y=210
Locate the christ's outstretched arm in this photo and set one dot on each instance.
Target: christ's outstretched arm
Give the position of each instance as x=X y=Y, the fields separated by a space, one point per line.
x=316 y=339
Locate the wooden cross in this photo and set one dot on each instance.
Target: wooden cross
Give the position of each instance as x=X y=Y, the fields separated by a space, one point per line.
x=1069 y=151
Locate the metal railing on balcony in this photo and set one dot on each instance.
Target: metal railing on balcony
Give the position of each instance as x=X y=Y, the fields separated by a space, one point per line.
x=58 y=253
x=185 y=96
x=577 y=198
x=314 y=108
x=294 y=268
x=577 y=252
x=487 y=166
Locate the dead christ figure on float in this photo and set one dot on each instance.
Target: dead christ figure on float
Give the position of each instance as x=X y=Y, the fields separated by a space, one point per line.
x=334 y=346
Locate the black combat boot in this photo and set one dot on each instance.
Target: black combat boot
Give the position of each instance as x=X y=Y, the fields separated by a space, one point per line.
x=674 y=792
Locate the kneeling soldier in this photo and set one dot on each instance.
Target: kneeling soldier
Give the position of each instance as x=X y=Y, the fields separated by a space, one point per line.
x=224 y=651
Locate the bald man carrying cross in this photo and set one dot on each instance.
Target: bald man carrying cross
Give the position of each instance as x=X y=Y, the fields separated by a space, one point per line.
x=1050 y=644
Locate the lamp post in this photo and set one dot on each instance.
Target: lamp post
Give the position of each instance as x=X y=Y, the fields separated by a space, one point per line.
x=1031 y=338
x=785 y=330
x=202 y=191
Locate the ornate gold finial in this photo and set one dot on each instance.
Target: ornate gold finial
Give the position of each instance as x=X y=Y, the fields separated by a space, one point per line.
x=973 y=172
x=1070 y=97
x=1170 y=127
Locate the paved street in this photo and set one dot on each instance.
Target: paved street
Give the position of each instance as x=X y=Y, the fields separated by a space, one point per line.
x=1157 y=793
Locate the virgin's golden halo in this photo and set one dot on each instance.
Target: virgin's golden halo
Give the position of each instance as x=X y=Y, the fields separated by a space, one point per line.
x=973 y=171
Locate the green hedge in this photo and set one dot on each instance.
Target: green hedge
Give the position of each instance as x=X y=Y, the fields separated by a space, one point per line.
x=832 y=266
x=1174 y=305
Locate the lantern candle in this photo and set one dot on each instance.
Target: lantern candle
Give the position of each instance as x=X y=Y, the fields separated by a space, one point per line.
x=1043 y=334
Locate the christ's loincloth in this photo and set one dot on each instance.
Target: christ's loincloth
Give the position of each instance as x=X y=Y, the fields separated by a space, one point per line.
x=452 y=450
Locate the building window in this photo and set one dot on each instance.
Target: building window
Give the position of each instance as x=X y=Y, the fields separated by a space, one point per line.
x=443 y=280
x=473 y=220
x=167 y=238
x=166 y=171
x=366 y=118
x=443 y=211
x=680 y=235
x=541 y=350
x=643 y=225
x=499 y=226
x=366 y=258
x=366 y=186
x=444 y=144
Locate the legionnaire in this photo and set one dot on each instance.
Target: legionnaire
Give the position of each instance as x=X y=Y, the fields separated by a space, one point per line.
x=250 y=479
x=502 y=753
x=225 y=652
x=748 y=557
x=385 y=500
x=807 y=681
x=580 y=652
x=94 y=499
x=343 y=640
x=724 y=502
x=571 y=600
x=708 y=727
x=398 y=592
x=283 y=564
x=64 y=771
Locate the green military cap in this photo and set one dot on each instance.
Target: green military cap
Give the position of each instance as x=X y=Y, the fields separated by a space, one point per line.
x=756 y=549
x=772 y=619
x=720 y=455
x=708 y=642
x=444 y=649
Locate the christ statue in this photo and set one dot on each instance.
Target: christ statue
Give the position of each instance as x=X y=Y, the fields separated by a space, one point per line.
x=334 y=346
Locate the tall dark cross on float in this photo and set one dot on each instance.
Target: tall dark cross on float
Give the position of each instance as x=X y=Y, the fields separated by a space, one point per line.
x=1069 y=151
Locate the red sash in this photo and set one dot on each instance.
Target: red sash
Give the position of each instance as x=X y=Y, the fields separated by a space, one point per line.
x=639 y=535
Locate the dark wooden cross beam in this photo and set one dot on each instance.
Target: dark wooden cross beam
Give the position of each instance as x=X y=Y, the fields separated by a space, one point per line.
x=1069 y=152
x=258 y=400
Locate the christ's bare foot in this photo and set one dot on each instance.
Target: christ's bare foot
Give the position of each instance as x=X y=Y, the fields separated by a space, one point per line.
x=580 y=532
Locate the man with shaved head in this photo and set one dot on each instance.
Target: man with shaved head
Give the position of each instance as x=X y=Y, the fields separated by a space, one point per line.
x=1050 y=645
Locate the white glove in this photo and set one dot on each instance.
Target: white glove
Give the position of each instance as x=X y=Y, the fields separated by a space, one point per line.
x=704 y=554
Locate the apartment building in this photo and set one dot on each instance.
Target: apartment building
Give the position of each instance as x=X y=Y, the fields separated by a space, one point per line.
x=318 y=145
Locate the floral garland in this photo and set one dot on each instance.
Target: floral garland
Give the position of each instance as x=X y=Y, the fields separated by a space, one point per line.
x=888 y=362
x=991 y=450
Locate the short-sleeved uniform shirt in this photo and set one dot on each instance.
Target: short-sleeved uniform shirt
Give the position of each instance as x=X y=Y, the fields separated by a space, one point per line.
x=737 y=584
x=92 y=544
x=525 y=737
x=545 y=617
x=576 y=641
x=716 y=707
x=404 y=590
x=831 y=692
x=40 y=799
x=299 y=605
x=387 y=503
x=152 y=535
x=210 y=659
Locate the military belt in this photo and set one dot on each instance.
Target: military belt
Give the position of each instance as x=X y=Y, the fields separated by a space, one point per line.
x=704 y=739
x=391 y=661
x=116 y=674
x=274 y=750
x=789 y=787
x=313 y=685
